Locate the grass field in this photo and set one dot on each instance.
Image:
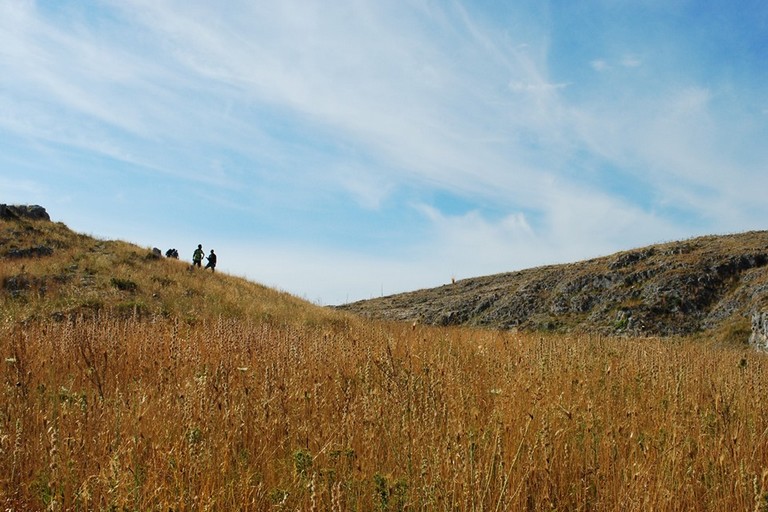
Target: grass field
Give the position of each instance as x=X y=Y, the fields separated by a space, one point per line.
x=123 y=414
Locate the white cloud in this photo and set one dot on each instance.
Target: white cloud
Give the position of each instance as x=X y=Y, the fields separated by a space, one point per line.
x=525 y=87
x=690 y=101
x=630 y=61
x=390 y=87
x=20 y=191
x=627 y=61
x=323 y=275
x=368 y=190
x=354 y=72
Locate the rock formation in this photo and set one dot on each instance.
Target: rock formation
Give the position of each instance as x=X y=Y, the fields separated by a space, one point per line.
x=34 y=212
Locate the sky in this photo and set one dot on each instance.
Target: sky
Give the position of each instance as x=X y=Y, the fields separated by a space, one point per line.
x=347 y=149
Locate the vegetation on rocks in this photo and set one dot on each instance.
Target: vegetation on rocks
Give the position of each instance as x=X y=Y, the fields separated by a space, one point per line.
x=706 y=285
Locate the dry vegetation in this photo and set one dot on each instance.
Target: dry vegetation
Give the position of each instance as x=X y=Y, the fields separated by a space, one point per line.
x=120 y=414
x=199 y=392
x=85 y=277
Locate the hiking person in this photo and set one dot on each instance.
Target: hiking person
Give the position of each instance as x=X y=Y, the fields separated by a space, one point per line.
x=197 y=256
x=211 y=261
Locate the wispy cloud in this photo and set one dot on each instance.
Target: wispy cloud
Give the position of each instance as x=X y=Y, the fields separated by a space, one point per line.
x=627 y=61
x=26 y=188
x=523 y=87
x=630 y=61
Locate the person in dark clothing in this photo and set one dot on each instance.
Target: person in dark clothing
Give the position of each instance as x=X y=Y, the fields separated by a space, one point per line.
x=211 y=261
x=197 y=256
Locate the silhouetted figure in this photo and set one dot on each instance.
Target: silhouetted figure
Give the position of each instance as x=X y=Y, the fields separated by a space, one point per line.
x=172 y=253
x=211 y=261
x=197 y=256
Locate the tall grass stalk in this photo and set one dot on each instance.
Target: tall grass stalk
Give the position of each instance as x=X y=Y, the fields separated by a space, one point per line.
x=129 y=414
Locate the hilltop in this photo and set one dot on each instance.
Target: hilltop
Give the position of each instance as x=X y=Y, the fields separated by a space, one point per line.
x=50 y=271
x=711 y=284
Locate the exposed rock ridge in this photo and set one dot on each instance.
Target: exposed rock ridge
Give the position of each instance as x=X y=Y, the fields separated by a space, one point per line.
x=675 y=288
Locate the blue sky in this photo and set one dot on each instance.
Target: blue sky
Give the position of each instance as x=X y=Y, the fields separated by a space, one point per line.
x=347 y=149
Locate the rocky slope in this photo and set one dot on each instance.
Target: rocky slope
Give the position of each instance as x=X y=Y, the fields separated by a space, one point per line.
x=712 y=284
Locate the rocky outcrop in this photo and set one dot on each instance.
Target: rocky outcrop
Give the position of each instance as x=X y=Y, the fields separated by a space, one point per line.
x=678 y=288
x=16 y=236
x=13 y=212
x=759 y=336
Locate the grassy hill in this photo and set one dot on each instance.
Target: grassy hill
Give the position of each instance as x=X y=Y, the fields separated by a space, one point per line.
x=708 y=285
x=49 y=271
x=129 y=383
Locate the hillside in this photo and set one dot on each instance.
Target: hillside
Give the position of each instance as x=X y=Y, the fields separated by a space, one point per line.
x=49 y=271
x=710 y=284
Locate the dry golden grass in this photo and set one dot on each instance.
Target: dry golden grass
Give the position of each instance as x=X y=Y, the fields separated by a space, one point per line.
x=334 y=413
x=86 y=277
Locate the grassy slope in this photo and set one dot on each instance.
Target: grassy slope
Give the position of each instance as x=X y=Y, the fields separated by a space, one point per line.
x=85 y=276
x=201 y=392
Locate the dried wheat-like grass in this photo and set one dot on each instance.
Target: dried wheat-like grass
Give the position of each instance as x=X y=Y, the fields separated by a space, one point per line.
x=119 y=413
